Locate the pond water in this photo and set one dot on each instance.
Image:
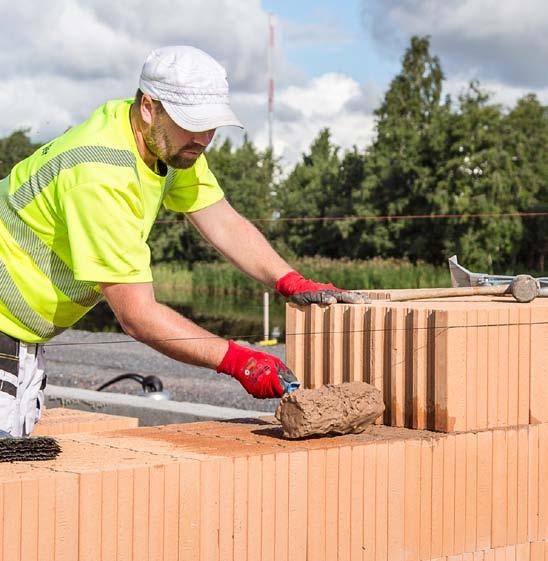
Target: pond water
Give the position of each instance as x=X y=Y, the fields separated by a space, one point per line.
x=226 y=316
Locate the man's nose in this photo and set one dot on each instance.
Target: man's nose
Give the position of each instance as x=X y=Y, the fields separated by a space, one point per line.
x=203 y=138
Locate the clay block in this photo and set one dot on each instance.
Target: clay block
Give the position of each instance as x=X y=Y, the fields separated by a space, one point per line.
x=369 y=502
x=209 y=508
x=346 y=408
x=533 y=484
x=316 y=524
x=425 y=508
x=29 y=517
x=512 y=486
x=171 y=511
x=59 y=420
x=452 y=364
x=500 y=490
x=539 y=366
x=268 y=502
x=281 y=548
x=412 y=518
x=189 y=510
x=254 y=507
x=356 y=503
x=124 y=514
x=109 y=492
x=396 y=500
x=90 y=503
x=471 y=493
x=460 y=493
x=484 y=512
x=331 y=503
x=344 y=503
x=226 y=509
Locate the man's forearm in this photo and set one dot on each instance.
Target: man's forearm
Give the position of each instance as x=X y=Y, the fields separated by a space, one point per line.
x=240 y=242
x=173 y=335
x=252 y=253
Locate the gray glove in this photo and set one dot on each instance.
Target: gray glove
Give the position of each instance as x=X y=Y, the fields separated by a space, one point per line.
x=304 y=291
x=329 y=297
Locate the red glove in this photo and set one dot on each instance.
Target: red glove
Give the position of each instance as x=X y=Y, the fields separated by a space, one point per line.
x=303 y=291
x=262 y=375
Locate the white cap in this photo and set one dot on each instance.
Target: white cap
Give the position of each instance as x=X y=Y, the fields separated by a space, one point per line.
x=191 y=85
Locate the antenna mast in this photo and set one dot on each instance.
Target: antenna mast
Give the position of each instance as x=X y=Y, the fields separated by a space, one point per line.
x=270 y=63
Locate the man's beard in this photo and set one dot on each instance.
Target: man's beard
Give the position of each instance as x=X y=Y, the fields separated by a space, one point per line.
x=179 y=161
x=158 y=144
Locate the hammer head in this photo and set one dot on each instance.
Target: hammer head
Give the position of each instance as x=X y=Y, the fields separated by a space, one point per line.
x=524 y=288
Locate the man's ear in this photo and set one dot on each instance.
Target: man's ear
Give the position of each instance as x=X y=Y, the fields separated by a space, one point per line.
x=147 y=109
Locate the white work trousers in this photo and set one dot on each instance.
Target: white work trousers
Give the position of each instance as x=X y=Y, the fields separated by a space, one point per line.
x=20 y=412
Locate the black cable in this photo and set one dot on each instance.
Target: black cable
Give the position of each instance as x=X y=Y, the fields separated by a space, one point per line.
x=129 y=375
x=149 y=384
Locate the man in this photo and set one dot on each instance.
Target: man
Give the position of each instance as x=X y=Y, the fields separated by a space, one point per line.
x=74 y=221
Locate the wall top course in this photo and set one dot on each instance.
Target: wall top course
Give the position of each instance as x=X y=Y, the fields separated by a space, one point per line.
x=462 y=302
x=203 y=442
x=149 y=446
x=241 y=438
x=58 y=420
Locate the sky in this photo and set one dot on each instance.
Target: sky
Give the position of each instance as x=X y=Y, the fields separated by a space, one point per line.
x=332 y=60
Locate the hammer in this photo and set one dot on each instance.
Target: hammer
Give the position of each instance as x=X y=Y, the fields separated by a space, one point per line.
x=523 y=288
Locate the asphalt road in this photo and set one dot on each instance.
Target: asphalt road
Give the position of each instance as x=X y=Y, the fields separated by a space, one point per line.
x=86 y=360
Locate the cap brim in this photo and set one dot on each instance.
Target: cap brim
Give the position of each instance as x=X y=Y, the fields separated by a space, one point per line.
x=198 y=118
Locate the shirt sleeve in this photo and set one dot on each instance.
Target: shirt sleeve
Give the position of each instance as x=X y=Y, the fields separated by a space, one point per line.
x=105 y=232
x=193 y=188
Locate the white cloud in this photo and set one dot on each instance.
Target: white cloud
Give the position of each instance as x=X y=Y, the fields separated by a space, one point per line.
x=75 y=54
x=501 y=41
x=500 y=93
x=59 y=63
x=332 y=100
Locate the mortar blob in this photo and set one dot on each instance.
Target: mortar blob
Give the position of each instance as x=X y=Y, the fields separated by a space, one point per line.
x=331 y=409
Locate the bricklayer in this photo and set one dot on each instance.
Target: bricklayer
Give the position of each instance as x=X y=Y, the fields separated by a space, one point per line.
x=59 y=420
x=446 y=365
x=237 y=491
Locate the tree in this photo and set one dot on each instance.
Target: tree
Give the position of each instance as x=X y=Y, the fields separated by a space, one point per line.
x=14 y=148
x=526 y=137
x=312 y=191
x=477 y=179
x=400 y=175
x=246 y=176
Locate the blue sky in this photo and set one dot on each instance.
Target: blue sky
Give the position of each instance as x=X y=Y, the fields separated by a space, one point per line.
x=350 y=50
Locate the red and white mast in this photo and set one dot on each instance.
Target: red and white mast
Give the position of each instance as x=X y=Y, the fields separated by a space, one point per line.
x=270 y=62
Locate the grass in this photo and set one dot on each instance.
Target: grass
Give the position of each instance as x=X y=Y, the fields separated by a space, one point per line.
x=172 y=283
x=223 y=278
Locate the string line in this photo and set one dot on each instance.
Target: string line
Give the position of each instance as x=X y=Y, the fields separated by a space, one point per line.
x=382 y=217
x=303 y=333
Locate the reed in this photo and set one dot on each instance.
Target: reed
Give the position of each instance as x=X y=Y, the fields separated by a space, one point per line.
x=223 y=278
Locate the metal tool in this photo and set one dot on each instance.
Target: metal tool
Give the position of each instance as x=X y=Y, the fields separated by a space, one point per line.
x=461 y=277
x=289 y=383
x=523 y=288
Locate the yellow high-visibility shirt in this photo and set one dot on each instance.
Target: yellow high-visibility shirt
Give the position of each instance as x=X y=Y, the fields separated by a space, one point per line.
x=78 y=212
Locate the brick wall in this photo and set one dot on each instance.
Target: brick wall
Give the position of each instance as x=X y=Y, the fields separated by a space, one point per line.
x=237 y=491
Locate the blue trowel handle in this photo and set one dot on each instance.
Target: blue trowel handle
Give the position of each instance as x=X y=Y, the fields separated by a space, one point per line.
x=289 y=385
